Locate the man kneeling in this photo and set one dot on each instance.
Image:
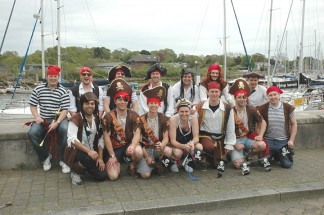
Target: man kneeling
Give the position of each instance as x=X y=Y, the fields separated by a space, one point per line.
x=85 y=136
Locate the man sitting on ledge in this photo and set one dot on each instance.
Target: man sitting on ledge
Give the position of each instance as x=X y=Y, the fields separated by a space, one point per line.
x=51 y=98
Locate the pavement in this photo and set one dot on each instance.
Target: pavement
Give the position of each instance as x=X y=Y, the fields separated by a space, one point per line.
x=33 y=191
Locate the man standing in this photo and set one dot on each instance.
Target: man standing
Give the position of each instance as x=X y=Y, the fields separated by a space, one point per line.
x=86 y=137
x=258 y=94
x=155 y=132
x=154 y=73
x=85 y=86
x=119 y=72
x=51 y=97
x=121 y=131
x=186 y=88
x=281 y=127
x=246 y=117
x=217 y=127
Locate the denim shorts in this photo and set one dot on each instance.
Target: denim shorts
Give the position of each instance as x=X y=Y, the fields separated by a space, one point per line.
x=247 y=142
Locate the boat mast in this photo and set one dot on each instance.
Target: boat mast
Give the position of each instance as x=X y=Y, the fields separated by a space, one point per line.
x=5 y=33
x=269 y=43
x=59 y=38
x=225 y=54
x=42 y=38
x=300 y=63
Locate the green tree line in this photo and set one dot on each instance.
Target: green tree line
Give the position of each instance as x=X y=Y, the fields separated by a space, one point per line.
x=72 y=58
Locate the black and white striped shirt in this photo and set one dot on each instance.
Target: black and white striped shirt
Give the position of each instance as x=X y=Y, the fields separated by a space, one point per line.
x=50 y=101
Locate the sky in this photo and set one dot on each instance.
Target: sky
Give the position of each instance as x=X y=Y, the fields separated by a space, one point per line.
x=185 y=26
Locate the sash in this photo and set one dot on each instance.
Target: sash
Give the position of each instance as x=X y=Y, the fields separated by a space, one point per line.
x=119 y=130
x=241 y=126
x=148 y=131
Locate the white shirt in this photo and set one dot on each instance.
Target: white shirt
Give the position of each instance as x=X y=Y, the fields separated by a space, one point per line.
x=213 y=122
x=73 y=108
x=72 y=135
x=225 y=95
x=187 y=93
x=169 y=112
x=259 y=97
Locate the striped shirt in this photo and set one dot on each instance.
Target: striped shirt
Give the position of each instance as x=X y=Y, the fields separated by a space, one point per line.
x=50 y=101
x=276 y=123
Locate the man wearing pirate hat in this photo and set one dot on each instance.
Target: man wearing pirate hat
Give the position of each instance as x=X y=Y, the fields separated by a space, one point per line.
x=186 y=88
x=155 y=135
x=119 y=71
x=121 y=130
x=86 y=85
x=85 y=135
x=281 y=127
x=154 y=73
x=217 y=127
x=246 y=119
x=258 y=94
x=184 y=135
x=53 y=101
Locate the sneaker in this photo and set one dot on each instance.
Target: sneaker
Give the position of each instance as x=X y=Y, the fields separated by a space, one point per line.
x=65 y=168
x=76 y=179
x=188 y=168
x=174 y=168
x=47 y=163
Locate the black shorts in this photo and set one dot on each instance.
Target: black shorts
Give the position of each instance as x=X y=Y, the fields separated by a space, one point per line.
x=121 y=152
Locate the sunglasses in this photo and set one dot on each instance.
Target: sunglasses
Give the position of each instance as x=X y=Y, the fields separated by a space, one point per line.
x=86 y=74
x=120 y=98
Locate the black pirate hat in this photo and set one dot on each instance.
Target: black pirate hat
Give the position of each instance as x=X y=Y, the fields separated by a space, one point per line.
x=156 y=67
x=115 y=69
x=253 y=75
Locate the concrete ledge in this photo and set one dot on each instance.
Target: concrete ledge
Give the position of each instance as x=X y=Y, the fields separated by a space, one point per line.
x=17 y=152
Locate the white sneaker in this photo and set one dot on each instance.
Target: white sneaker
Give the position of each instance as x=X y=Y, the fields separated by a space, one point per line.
x=76 y=179
x=174 y=168
x=65 y=168
x=47 y=163
x=188 y=168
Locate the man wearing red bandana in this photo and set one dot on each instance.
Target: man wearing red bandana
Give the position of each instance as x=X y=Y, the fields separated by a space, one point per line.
x=155 y=133
x=281 y=127
x=51 y=97
x=217 y=127
x=85 y=86
x=246 y=118
x=154 y=73
x=121 y=131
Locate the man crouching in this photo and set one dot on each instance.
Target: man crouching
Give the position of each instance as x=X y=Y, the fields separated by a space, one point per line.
x=86 y=137
x=121 y=131
x=246 y=118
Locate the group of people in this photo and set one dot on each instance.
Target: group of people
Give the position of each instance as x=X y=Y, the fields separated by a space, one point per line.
x=183 y=126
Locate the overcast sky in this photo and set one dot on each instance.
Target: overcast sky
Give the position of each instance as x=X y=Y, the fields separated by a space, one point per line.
x=186 y=26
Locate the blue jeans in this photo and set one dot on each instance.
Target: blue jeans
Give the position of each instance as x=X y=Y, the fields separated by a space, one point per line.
x=275 y=146
x=37 y=133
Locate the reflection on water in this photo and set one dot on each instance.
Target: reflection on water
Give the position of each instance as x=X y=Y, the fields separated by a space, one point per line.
x=20 y=101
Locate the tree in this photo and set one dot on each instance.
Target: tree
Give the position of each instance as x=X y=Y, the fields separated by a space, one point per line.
x=257 y=57
x=145 y=52
x=102 y=53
